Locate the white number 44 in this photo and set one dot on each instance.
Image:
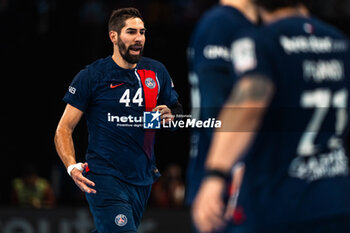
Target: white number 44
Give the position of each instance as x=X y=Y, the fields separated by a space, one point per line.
x=125 y=99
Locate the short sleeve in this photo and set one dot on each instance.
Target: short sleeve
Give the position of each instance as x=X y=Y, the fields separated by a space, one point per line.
x=79 y=91
x=167 y=96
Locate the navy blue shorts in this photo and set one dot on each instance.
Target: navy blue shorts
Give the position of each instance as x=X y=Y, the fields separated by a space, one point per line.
x=117 y=206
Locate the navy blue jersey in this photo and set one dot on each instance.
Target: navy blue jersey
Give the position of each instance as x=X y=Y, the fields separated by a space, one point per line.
x=297 y=169
x=114 y=100
x=211 y=77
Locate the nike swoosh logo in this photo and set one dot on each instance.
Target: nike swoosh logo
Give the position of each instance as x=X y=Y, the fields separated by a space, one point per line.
x=114 y=86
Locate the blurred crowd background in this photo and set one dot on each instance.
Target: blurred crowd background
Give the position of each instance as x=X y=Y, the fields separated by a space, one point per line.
x=44 y=43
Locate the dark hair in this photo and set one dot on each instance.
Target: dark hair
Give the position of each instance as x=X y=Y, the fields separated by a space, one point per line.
x=118 y=17
x=272 y=5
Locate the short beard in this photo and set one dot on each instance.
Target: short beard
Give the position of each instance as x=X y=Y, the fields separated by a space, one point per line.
x=124 y=52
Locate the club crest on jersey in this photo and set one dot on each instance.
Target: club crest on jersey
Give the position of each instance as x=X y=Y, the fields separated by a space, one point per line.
x=308 y=28
x=150 y=83
x=121 y=220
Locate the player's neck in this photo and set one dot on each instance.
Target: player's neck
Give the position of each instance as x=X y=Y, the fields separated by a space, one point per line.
x=270 y=17
x=117 y=58
x=244 y=6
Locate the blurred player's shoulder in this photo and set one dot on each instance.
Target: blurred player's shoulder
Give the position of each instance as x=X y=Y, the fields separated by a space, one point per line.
x=214 y=34
x=221 y=19
x=328 y=28
x=220 y=14
x=302 y=25
x=306 y=35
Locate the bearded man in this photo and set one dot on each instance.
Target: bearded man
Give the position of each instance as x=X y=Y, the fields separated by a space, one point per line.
x=114 y=93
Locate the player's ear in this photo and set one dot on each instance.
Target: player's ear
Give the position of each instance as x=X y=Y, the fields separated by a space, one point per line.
x=113 y=36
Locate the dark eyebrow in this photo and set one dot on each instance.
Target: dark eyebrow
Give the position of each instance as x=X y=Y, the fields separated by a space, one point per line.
x=133 y=29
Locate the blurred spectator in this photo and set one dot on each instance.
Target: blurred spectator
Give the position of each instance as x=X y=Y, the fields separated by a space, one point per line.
x=169 y=190
x=30 y=190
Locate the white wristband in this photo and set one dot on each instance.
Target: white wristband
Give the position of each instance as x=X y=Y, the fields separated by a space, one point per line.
x=77 y=166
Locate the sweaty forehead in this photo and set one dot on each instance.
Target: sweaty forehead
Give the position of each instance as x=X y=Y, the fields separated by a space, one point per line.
x=134 y=23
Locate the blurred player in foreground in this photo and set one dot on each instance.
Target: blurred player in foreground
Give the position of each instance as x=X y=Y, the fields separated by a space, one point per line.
x=114 y=92
x=288 y=114
x=211 y=75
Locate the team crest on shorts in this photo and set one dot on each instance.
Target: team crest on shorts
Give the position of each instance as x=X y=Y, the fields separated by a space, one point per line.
x=121 y=220
x=150 y=83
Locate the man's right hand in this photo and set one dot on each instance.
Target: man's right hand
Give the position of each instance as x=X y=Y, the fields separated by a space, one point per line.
x=82 y=182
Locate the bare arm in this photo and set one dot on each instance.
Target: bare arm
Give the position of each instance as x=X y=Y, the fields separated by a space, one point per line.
x=65 y=146
x=240 y=118
x=63 y=137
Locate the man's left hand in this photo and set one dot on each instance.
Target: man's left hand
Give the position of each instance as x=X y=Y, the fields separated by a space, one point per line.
x=208 y=207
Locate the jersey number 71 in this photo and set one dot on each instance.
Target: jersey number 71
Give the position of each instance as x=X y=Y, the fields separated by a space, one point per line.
x=322 y=99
